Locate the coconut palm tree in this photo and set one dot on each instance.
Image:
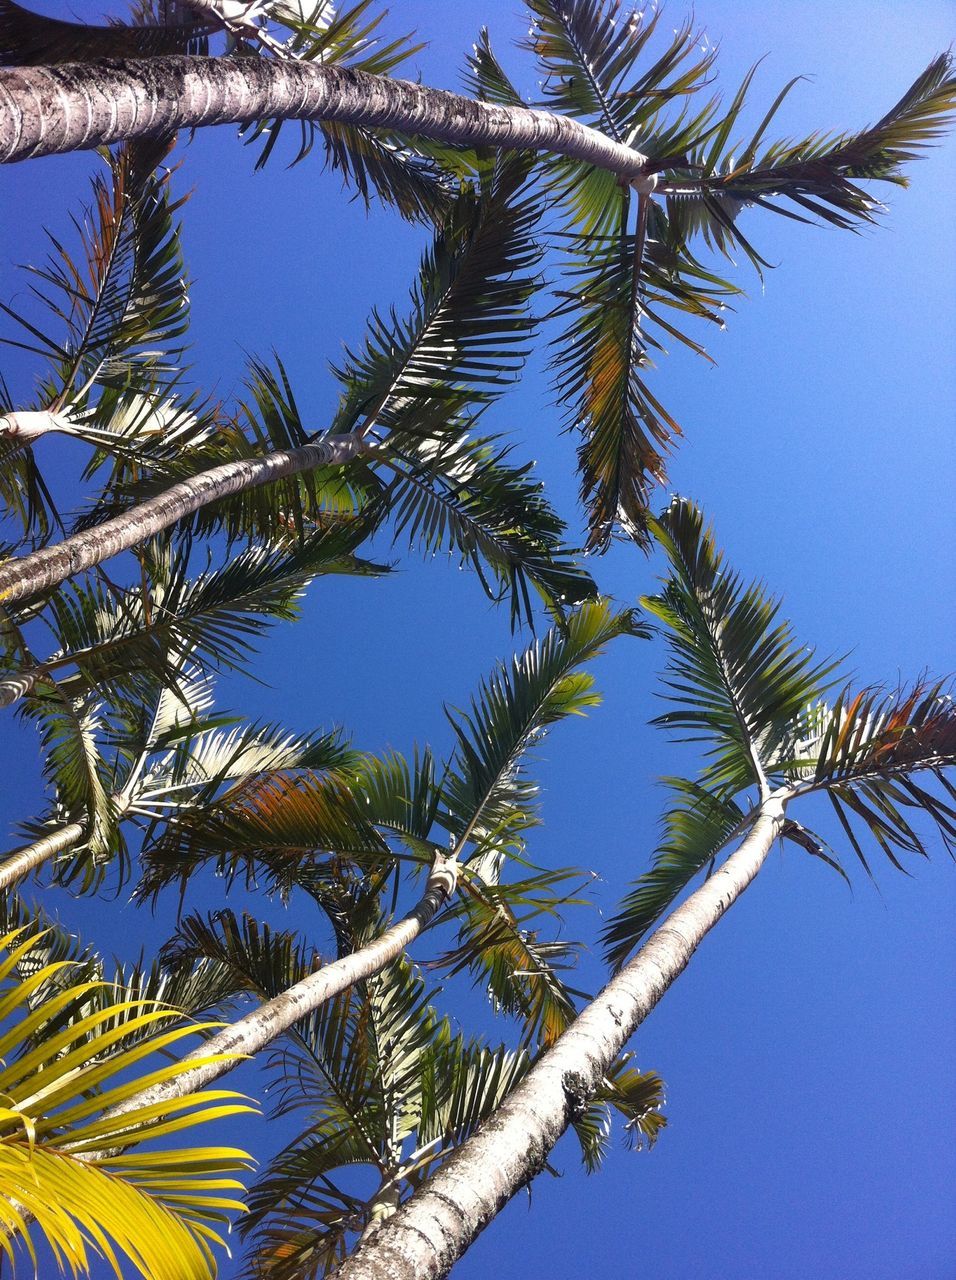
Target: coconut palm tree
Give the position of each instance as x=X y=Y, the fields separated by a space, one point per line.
x=74 y=1045
x=636 y=225
x=758 y=701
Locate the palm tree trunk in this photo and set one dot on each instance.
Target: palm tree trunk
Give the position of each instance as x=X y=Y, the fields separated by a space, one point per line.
x=253 y=1032
x=34 y=855
x=44 y=110
x=29 y=575
x=426 y=1237
x=28 y=425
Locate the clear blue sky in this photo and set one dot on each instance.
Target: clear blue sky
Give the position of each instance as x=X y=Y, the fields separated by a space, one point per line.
x=808 y=1052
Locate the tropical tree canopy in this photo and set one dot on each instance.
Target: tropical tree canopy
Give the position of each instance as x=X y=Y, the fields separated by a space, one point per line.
x=345 y=594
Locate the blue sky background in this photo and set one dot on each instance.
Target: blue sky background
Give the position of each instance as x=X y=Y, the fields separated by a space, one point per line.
x=808 y=1051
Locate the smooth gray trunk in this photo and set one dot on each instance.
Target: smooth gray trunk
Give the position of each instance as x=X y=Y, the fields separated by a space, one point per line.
x=28 y=425
x=435 y=1227
x=44 y=110
x=25 y=860
x=258 y=1029
x=29 y=575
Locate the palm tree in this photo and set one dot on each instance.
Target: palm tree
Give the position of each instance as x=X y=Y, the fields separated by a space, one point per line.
x=757 y=700
x=402 y=443
x=483 y=799
x=634 y=223
x=384 y=1083
x=70 y=1043
x=138 y=657
x=307 y=86
x=166 y=753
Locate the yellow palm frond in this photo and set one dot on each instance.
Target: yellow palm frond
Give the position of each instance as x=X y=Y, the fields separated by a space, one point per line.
x=69 y=1060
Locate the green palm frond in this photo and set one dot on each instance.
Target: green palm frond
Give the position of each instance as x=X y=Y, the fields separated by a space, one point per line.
x=122 y=301
x=258 y=960
x=600 y=366
x=485 y=78
x=59 y=1086
x=133 y=430
x=590 y=52
x=634 y=1095
x=487 y=797
x=521 y=972
x=465 y=337
x=626 y=275
x=467 y=497
x=370 y=161
x=24 y=494
x=737 y=678
x=209 y=759
x=462 y=1084
x=114 y=638
x=376 y=161
x=817 y=176
x=695 y=829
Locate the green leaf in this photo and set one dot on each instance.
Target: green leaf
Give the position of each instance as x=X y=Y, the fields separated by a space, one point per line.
x=737 y=679
x=695 y=830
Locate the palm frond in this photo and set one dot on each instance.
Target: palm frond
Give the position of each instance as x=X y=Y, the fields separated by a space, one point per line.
x=465 y=338
x=273 y=827
x=121 y=303
x=371 y=161
x=737 y=678
x=818 y=175
x=59 y=1085
x=637 y=1096
x=465 y=496
x=463 y=1083
x=115 y=639
x=590 y=50
x=486 y=796
x=695 y=828
x=863 y=752
x=70 y=731
x=485 y=78
x=520 y=971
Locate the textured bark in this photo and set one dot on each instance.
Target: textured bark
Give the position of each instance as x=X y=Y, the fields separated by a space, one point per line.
x=44 y=110
x=253 y=1032
x=435 y=1227
x=34 y=855
x=29 y=575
